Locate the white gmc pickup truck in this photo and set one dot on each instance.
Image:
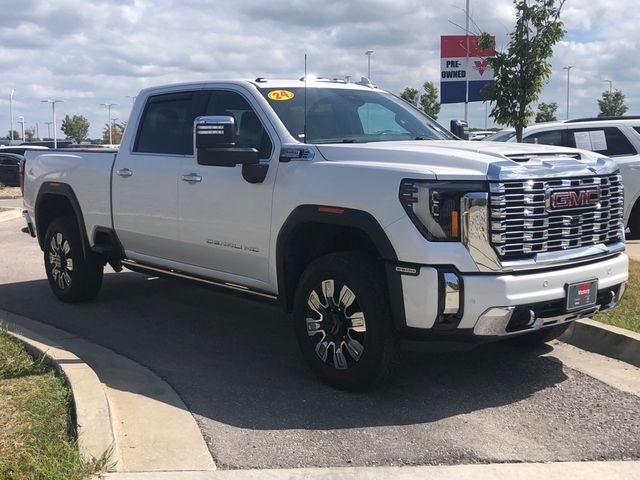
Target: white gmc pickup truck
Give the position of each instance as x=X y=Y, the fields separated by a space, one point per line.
x=368 y=221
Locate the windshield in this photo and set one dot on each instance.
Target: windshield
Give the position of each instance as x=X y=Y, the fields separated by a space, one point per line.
x=340 y=115
x=503 y=136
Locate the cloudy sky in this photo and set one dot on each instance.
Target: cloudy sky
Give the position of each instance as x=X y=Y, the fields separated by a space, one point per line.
x=88 y=52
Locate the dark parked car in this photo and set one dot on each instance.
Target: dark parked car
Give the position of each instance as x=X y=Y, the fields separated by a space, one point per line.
x=9 y=169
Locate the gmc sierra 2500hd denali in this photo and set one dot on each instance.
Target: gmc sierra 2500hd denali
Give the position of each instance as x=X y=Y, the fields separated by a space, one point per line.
x=363 y=217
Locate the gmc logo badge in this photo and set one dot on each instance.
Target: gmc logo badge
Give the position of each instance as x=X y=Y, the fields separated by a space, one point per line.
x=575 y=198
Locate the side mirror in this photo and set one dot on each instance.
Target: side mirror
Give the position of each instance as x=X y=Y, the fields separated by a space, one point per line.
x=214 y=143
x=460 y=129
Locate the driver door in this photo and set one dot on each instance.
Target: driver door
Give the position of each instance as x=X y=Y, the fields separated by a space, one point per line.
x=224 y=221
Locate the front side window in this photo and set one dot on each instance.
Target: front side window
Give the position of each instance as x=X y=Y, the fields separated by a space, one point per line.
x=249 y=130
x=345 y=115
x=552 y=137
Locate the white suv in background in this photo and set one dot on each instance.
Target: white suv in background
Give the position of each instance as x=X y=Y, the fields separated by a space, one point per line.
x=615 y=137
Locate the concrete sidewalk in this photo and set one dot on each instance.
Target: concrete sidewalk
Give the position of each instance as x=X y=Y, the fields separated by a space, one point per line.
x=11 y=202
x=123 y=407
x=519 y=471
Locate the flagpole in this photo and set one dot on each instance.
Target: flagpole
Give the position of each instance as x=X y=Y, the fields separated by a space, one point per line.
x=466 y=67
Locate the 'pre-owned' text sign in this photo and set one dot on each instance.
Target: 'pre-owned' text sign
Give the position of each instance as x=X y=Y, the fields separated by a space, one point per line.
x=454 y=75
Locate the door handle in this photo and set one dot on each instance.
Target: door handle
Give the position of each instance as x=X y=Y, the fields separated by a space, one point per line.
x=124 y=172
x=192 y=178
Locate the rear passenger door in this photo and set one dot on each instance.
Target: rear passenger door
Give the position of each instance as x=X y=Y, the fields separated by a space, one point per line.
x=146 y=174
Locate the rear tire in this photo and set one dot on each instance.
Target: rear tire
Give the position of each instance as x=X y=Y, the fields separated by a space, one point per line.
x=73 y=275
x=541 y=336
x=343 y=321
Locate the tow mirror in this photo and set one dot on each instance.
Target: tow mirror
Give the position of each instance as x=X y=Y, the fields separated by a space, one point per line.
x=460 y=129
x=214 y=143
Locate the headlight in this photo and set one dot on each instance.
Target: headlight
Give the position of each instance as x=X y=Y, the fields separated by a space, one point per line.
x=434 y=207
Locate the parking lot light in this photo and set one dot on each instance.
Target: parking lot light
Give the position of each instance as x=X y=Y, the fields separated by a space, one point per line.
x=53 y=109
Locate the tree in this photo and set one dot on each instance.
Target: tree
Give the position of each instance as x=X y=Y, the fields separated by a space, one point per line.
x=612 y=104
x=410 y=95
x=523 y=68
x=547 y=112
x=429 y=100
x=30 y=134
x=75 y=127
x=15 y=136
x=117 y=130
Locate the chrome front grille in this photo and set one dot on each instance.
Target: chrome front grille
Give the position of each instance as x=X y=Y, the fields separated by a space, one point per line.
x=522 y=222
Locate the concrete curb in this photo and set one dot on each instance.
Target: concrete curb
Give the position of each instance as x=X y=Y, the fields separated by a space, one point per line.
x=520 y=471
x=11 y=215
x=150 y=427
x=604 y=339
x=93 y=417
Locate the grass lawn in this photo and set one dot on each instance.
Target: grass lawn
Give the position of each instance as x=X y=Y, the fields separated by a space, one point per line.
x=37 y=433
x=627 y=314
x=2 y=209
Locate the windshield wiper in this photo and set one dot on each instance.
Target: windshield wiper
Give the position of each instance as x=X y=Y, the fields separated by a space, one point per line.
x=422 y=138
x=349 y=140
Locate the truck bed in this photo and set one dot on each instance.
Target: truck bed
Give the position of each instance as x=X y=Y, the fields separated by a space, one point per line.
x=88 y=171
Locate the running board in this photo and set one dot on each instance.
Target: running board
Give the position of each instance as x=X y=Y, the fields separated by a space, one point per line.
x=130 y=264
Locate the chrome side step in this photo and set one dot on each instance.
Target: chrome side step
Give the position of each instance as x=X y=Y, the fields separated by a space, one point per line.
x=231 y=286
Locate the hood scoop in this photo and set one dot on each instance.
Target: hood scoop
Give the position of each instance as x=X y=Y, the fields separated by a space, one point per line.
x=543 y=156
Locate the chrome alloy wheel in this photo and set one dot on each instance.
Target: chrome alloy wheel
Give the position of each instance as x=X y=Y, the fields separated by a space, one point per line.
x=338 y=327
x=61 y=261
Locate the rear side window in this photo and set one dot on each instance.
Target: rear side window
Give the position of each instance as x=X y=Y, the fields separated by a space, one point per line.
x=167 y=123
x=637 y=129
x=552 y=137
x=8 y=161
x=609 y=141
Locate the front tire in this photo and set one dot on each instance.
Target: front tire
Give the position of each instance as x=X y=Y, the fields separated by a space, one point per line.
x=73 y=275
x=343 y=321
x=634 y=222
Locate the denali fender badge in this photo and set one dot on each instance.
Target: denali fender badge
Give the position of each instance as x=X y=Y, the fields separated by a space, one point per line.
x=409 y=270
x=573 y=198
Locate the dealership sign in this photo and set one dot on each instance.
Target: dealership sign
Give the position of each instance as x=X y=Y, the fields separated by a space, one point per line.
x=456 y=71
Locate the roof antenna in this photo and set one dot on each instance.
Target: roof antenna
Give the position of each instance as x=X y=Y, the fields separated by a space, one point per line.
x=305 y=98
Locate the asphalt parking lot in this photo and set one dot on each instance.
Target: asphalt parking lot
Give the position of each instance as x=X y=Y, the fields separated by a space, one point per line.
x=235 y=363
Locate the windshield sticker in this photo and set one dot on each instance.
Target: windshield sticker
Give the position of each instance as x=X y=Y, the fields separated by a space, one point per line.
x=280 y=95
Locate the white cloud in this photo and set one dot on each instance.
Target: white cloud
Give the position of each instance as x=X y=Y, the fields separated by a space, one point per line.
x=92 y=51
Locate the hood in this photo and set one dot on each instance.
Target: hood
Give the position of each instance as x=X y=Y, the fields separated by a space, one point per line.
x=454 y=159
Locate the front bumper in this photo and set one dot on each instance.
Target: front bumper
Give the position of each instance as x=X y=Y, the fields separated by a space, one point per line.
x=508 y=304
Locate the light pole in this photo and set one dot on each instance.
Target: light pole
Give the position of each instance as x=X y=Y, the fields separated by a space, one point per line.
x=610 y=85
x=132 y=97
x=37 y=131
x=368 y=53
x=53 y=102
x=48 y=129
x=568 y=69
x=109 y=105
x=21 y=122
x=11 y=113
